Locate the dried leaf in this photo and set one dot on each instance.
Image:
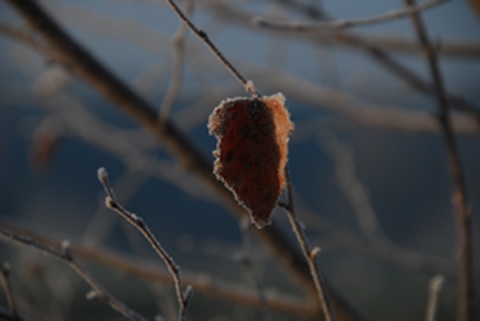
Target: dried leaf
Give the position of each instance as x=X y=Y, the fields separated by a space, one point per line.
x=252 y=151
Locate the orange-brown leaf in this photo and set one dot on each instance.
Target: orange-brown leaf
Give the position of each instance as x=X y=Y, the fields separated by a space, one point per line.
x=252 y=151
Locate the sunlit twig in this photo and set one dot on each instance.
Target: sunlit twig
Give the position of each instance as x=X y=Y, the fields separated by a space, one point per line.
x=183 y=294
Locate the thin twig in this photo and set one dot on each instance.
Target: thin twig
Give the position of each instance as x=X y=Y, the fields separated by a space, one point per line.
x=344 y=24
x=183 y=294
x=247 y=85
x=177 y=64
x=100 y=226
x=98 y=291
x=245 y=259
x=435 y=286
x=7 y=286
x=310 y=255
x=399 y=44
x=460 y=198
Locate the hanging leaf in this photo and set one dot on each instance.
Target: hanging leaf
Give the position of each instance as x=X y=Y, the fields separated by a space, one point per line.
x=252 y=151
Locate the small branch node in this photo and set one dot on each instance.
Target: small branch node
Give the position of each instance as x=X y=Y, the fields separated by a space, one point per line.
x=315 y=252
x=65 y=246
x=188 y=294
x=95 y=295
x=110 y=203
x=91 y=295
x=6 y=268
x=202 y=34
x=437 y=282
x=136 y=218
x=284 y=205
x=251 y=89
x=102 y=174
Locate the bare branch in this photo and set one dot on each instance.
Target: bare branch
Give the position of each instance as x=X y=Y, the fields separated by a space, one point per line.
x=183 y=294
x=247 y=85
x=344 y=24
x=459 y=194
x=310 y=255
x=65 y=256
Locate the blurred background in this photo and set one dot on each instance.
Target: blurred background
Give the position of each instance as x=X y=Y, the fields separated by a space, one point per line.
x=367 y=161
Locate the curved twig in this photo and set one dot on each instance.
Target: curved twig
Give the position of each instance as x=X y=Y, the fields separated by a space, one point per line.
x=344 y=24
x=183 y=294
x=98 y=291
x=310 y=254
